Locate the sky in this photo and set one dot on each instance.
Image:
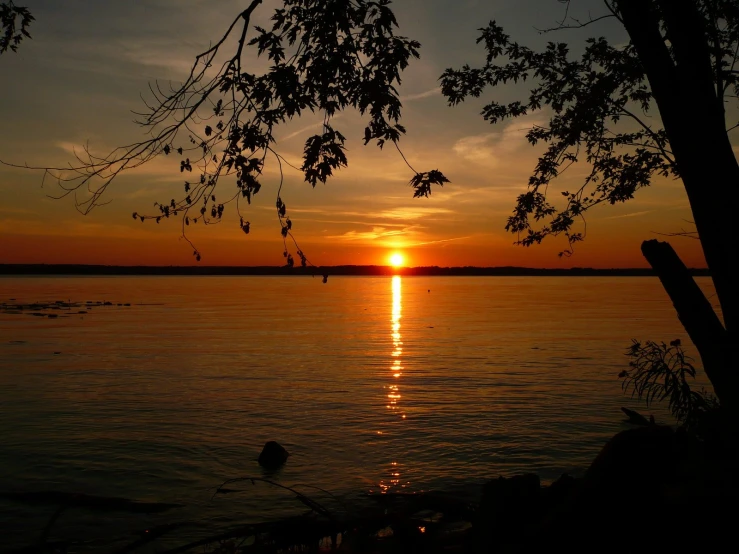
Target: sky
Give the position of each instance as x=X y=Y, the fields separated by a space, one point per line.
x=81 y=77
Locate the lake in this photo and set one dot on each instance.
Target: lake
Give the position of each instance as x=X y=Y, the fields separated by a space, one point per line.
x=373 y=384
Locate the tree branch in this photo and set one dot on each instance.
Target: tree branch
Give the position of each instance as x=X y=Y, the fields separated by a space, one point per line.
x=695 y=313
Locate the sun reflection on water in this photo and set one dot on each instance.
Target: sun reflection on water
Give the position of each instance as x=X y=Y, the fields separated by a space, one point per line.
x=396 y=370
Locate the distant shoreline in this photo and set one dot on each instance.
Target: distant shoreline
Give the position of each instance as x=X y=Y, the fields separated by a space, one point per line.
x=359 y=270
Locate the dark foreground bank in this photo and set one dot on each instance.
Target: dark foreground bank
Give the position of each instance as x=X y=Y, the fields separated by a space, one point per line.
x=651 y=489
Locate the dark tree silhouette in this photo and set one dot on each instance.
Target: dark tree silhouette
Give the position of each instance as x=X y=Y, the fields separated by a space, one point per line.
x=681 y=62
x=325 y=56
x=15 y=21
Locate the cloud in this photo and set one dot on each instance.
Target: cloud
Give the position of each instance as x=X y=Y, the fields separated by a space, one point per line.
x=440 y=241
x=72 y=228
x=18 y=211
x=310 y=127
x=161 y=168
x=392 y=214
x=316 y=125
x=632 y=214
x=496 y=148
x=411 y=213
x=433 y=92
x=374 y=234
x=436 y=91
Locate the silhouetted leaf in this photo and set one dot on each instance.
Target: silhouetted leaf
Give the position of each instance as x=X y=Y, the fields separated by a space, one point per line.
x=421 y=182
x=13 y=31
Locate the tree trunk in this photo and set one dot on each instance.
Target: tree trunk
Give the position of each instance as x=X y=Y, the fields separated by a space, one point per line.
x=685 y=91
x=697 y=316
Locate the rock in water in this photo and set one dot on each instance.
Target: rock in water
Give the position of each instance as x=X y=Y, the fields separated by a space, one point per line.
x=273 y=455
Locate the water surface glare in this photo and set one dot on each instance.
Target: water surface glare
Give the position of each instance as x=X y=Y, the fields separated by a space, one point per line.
x=371 y=383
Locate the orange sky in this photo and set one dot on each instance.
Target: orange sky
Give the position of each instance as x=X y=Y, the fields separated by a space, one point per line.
x=78 y=81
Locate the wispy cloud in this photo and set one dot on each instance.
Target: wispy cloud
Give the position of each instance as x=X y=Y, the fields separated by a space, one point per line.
x=440 y=241
x=496 y=148
x=375 y=234
x=411 y=213
x=72 y=228
x=16 y=211
x=433 y=92
x=316 y=125
x=632 y=214
x=392 y=214
x=369 y=223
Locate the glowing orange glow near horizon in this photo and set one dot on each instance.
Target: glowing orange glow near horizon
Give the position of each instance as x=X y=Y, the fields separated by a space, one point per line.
x=397 y=259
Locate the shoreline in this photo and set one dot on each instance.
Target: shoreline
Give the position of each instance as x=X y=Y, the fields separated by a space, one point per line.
x=343 y=270
x=514 y=513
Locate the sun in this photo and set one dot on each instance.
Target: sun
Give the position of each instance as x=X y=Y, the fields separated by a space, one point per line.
x=397 y=260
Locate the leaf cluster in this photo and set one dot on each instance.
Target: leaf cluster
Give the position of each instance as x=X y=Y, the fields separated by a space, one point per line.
x=659 y=371
x=322 y=155
x=329 y=55
x=599 y=104
x=422 y=182
x=13 y=32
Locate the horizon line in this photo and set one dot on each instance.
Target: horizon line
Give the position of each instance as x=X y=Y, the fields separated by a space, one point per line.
x=345 y=269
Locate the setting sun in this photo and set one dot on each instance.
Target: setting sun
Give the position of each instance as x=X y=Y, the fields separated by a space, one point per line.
x=397 y=260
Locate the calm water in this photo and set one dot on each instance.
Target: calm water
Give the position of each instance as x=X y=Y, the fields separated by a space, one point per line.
x=372 y=384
